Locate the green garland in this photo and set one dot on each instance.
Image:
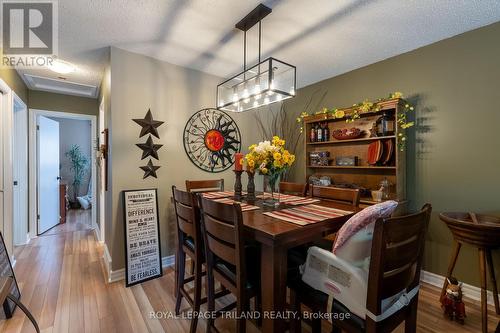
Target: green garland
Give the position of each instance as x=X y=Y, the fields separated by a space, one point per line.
x=365 y=107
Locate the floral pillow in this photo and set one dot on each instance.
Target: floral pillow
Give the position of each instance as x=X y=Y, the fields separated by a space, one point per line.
x=362 y=220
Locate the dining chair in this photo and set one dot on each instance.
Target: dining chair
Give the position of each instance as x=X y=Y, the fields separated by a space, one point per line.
x=293 y=188
x=385 y=295
x=205 y=185
x=235 y=264
x=188 y=242
x=337 y=194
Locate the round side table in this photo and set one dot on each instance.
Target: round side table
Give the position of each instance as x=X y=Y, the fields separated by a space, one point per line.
x=480 y=231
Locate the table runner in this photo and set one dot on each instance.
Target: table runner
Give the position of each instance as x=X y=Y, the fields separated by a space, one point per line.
x=290 y=199
x=219 y=194
x=244 y=206
x=308 y=214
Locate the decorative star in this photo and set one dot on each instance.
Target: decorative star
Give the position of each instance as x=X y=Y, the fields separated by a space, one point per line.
x=149 y=148
x=149 y=125
x=150 y=169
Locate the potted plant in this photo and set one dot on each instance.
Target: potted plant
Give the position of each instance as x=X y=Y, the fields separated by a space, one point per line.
x=79 y=166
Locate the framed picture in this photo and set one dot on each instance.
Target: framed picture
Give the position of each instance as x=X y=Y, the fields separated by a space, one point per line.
x=6 y=270
x=142 y=236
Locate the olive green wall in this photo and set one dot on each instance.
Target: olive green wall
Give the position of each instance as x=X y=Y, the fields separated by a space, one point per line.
x=454 y=150
x=63 y=103
x=14 y=81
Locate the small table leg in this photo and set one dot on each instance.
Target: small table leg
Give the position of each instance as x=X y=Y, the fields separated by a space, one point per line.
x=484 y=305
x=451 y=266
x=273 y=285
x=489 y=260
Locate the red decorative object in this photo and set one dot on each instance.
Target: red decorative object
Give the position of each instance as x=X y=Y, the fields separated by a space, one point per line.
x=388 y=151
x=347 y=134
x=214 y=140
x=375 y=150
x=238 y=158
x=452 y=303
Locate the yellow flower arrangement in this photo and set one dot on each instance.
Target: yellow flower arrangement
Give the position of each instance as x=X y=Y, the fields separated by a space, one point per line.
x=269 y=157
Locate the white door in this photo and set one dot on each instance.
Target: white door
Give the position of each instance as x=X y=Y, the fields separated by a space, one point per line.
x=48 y=173
x=20 y=173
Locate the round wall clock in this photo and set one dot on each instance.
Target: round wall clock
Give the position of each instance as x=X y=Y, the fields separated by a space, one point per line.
x=211 y=138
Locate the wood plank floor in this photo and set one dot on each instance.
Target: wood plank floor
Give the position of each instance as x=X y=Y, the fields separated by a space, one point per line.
x=62 y=281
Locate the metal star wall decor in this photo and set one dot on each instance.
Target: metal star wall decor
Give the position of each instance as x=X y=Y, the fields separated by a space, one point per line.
x=149 y=125
x=149 y=148
x=150 y=170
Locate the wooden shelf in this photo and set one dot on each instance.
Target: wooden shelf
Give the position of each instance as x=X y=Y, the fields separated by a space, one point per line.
x=351 y=140
x=352 y=167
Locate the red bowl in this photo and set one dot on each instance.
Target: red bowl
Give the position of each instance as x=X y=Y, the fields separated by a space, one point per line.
x=347 y=133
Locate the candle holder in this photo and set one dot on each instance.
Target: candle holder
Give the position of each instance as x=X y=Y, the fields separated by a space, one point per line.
x=251 y=186
x=237 y=185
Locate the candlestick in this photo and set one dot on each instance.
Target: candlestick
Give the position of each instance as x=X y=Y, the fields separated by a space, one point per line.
x=251 y=185
x=238 y=158
x=237 y=185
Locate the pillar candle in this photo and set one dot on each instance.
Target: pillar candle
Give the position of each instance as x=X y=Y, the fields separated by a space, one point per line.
x=238 y=157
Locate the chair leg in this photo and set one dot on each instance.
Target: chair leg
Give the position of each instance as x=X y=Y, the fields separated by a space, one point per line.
x=210 y=297
x=295 y=326
x=197 y=295
x=241 y=306
x=411 y=319
x=451 y=266
x=181 y=265
x=316 y=325
x=484 y=305
x=489 y=260
x=192 y=267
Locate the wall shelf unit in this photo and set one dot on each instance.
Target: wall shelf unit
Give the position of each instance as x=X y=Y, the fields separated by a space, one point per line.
x=363 y=174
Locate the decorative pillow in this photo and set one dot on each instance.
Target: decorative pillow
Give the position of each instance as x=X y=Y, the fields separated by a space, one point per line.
x=361 y=220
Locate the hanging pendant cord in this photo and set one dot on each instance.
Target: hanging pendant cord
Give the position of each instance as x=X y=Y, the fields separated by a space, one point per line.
x=244 y=54
x=260 y=38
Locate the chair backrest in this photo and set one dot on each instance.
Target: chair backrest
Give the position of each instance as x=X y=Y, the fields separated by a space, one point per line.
x=187 y=215
x=293 y=188
x=342 y=195
x=222 y=229
x=396 y=257
x=205 y=185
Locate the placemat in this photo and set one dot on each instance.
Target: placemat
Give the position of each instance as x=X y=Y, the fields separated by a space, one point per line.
x=218 y=194
x=244 y=206
x=308 y=214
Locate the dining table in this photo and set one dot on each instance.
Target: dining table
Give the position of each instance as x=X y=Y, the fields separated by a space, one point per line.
x=276 y=237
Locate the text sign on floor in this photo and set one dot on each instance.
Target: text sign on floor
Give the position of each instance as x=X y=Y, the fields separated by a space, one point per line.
x=142 y=236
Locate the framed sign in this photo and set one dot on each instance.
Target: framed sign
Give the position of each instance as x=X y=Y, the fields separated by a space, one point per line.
x=7 y=271
x=142 y=236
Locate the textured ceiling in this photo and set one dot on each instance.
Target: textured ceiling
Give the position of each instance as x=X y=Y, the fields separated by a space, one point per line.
x=322 y=38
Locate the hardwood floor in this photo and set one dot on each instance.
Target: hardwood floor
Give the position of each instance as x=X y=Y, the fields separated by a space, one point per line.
x=62 y=282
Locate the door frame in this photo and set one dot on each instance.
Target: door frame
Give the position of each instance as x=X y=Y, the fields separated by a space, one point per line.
x=23 y=177
x=33 y=171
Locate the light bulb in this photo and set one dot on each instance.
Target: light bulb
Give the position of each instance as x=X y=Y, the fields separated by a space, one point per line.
x=235 y=97
x=246 y=100
x=292 y=91
x=271 y=86
x=266 y=100
x=221 y=103
x=270 y=92
x=258 y=96
x=278 y=98
x=255 y=104
x=245 y=93
x=256 y=89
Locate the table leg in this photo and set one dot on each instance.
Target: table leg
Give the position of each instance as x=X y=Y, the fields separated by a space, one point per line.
x=451 y=266
x=489 y=260
x=484 y=305
x=273 y=284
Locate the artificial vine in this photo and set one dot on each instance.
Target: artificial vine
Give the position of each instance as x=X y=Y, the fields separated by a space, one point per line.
x=365 y=107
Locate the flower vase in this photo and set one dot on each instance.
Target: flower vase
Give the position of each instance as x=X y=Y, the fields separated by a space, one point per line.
x=271 y=190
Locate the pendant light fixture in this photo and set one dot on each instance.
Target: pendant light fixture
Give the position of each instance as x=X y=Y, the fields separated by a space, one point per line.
x=267 y=82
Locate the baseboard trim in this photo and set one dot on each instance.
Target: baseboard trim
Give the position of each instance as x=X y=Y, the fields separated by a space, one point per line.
x=119 y=274
x=469 y=291
x=97 y=232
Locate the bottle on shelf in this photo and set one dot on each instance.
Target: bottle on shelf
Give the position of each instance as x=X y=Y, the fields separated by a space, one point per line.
x=312 y=135
x=326 y=132
x=319 y=133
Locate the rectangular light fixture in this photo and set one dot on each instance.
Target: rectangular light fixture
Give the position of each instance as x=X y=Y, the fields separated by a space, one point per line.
x=268 y=82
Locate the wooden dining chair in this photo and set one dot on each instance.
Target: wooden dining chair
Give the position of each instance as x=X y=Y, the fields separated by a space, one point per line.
x=189 y=241
x=395 y=264
x=342 y=195
x=205 y=185
x=233 y=263
x=293 y=188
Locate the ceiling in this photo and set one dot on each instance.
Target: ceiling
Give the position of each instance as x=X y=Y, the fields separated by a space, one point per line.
x=323 y=38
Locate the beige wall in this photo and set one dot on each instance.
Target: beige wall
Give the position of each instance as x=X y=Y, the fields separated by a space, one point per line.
x=453 y=155
x=14 y=81
x=63 y=103
x=173 y=93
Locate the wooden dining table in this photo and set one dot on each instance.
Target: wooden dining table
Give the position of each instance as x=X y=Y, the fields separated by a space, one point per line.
x=276 y=237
